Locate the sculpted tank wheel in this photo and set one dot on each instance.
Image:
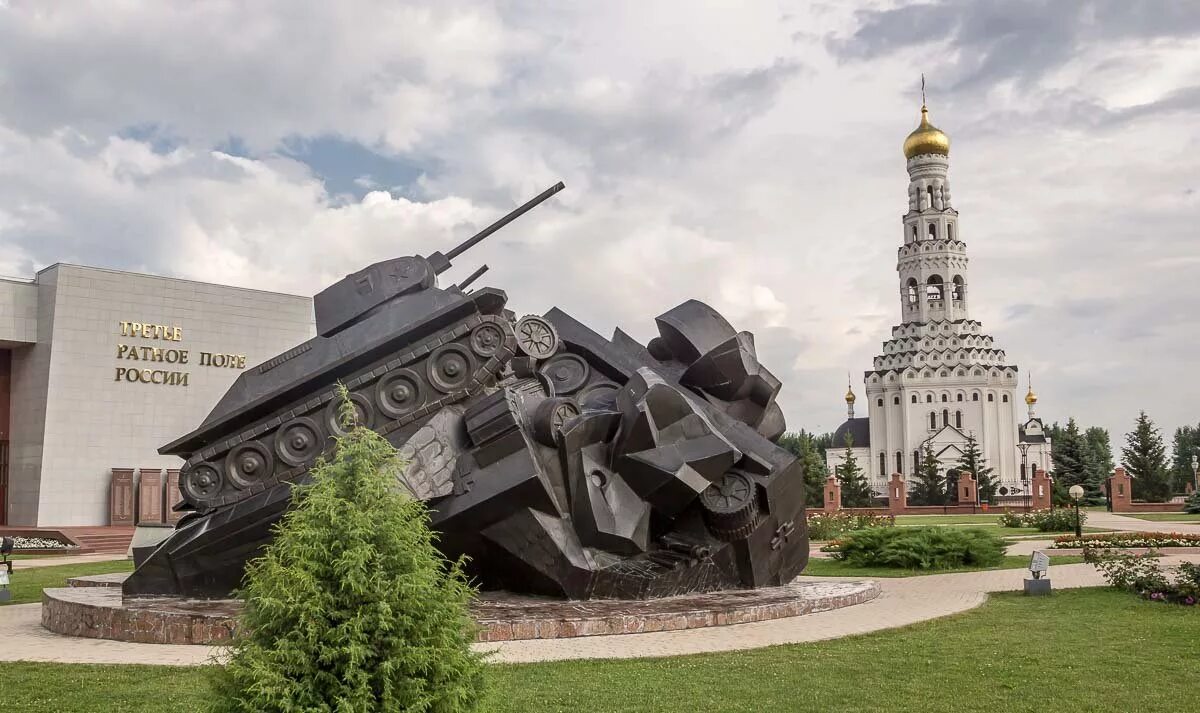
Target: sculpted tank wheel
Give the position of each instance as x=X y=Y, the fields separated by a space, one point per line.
x=731 y=506
x=487 y=338
x=451 y=368
x=536 y=337
x=248 y=464
x=364 y=415
x=399 y=393
x=298 y=441
x=201 y=483
x=566 y=373
x=549 y=417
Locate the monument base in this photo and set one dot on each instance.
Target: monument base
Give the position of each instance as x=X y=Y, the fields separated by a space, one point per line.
x=1037 y=587
x=94 y=607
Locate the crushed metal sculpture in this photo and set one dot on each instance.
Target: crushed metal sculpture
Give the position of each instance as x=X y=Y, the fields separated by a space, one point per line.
x=558 y=461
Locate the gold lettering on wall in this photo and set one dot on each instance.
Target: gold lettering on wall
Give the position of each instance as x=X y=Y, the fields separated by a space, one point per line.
x=166 y=355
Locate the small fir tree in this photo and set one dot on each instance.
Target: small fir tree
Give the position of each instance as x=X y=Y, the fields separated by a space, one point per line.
x=803 y=445
x=856 y=491
x=1099 y=461
x=352 y=608
x=972 y=461
x=1145 y=459
x=1069 y=457
x=929 y=487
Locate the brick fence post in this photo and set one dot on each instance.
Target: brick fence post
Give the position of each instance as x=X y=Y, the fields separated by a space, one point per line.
x=968 y=488
x=897 y=494
x=833 y=495
x=1042 y=488
x=1120 y=488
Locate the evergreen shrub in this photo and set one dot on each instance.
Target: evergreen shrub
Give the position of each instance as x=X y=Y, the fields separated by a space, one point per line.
x=921 y=548
x=1054 y=520
x=352 y=609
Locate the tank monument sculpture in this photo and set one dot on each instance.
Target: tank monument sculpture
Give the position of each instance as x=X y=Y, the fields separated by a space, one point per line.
x=560 y=462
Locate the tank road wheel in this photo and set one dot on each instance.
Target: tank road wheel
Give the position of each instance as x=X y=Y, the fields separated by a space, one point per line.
x=536 y=337
x=731 y=507
x=566 y=373
x=201 y=483
x=363 y=414
x=487 y=338
x=451 y=368
x=399 y=393
x=248 y=464
x=298 y=441
x=549 y=417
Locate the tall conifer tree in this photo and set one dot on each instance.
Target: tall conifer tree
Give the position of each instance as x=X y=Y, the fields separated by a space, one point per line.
x=1145 y=460
x=856 y=491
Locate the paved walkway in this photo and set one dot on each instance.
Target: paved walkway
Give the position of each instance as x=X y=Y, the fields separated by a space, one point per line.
x=53 y=560
x=903 y=601
x=1109 y=521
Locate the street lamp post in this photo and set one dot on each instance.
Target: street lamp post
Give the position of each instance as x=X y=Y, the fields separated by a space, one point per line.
x=1076 y=492
x=1025 y=475
x=1195 y=473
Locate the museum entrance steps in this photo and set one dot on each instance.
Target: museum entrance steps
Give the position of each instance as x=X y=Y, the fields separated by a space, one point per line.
x=101 y=539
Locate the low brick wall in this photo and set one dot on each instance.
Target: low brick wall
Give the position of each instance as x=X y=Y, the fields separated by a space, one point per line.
x=1151 y=507
x=934 y=510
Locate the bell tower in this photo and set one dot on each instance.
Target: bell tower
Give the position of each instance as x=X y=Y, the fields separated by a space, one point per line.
x=932 y=259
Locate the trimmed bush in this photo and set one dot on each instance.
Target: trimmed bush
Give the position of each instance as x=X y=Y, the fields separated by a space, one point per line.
x=1143 y=576
x=1191 y=506
x=352 y=608
x=1055 y=520
x=921 y=548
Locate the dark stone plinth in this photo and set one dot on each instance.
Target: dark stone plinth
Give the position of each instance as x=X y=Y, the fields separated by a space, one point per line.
x=1037 y=587
x=93 y=607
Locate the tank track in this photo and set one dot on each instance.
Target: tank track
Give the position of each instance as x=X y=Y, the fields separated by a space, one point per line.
x=444 y=369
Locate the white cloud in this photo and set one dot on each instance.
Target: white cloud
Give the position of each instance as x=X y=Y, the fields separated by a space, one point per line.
x=723 y=152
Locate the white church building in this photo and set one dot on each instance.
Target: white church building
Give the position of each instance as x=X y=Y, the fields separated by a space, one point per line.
x=940 y=378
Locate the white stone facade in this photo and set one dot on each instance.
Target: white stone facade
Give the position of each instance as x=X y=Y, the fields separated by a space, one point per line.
x=75 y=415
x=940 y=377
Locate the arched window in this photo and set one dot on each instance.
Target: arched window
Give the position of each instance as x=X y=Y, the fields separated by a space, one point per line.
x=914 y=232
x=932 y=231
x=959 y=290
x=912 y=290
x=945 y=398
x=895 y=400
x=960 y=396
x=975 y=397
x=916 y=461
x=932 y=420
x=933 y=287
x=1006 y=398
x=945 y=417
x=899 y=462
x=879 y=402
x=958 y=419
x=928 y=398
x=914 y=398
x=929 y=193
x=991 y=397
x=950 y=231
x=882 y=462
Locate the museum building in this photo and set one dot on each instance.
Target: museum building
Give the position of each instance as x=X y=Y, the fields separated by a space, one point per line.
x=98 y=368
x=940 y=378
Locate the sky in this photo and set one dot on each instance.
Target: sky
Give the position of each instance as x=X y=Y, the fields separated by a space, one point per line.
x=747 y=154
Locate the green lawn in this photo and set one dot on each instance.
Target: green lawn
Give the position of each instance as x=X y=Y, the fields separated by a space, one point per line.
x=1094 y=650
x=1165 y=516
x=823 y=567
x=27 y=584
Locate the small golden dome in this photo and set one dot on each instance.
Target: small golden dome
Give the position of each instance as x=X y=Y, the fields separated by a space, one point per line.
x=850 y=398
x=1030 y=398
x=926 y=138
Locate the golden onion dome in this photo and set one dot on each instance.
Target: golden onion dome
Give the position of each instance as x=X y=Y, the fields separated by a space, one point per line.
x=926 y=138
x=1030 y=398
x=850 y=398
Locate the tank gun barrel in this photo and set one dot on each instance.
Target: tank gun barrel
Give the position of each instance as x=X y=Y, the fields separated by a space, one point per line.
x=473 y=277
x=483 y=234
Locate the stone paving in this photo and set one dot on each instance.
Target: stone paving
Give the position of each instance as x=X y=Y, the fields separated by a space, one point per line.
x=903 y=601
x=54 y=560
x=1108 y=521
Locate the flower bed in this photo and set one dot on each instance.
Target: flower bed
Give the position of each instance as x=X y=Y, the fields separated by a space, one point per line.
x=1141 y=575
x=39 y=543
x=827 y=525
x=1127 y=539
